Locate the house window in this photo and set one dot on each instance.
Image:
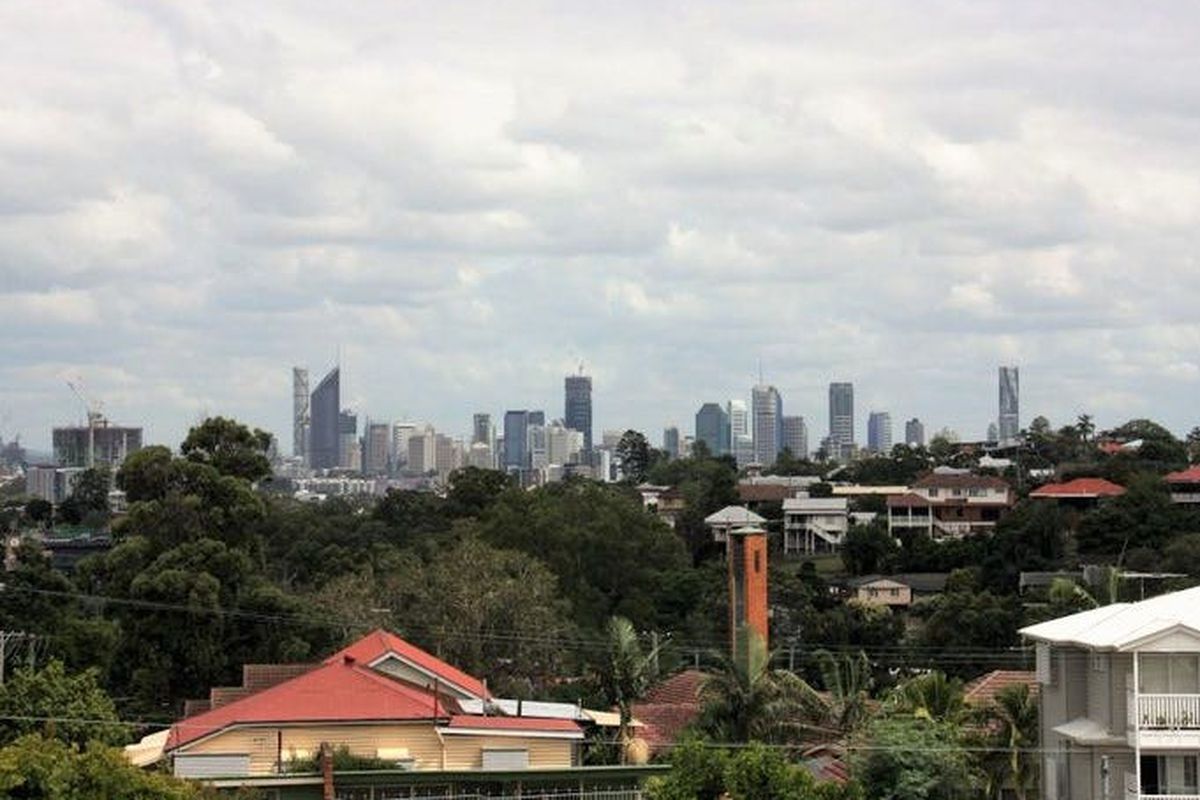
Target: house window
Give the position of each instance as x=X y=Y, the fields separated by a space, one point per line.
x=1099 y=662
x=1044 y=664
x=505 y=758
x=933 y=492
x=1167 y=775
x=1168 y=673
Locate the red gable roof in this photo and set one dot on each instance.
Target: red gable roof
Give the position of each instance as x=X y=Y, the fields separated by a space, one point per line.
x=379 y=643
x=1080 y=488
x=670 y=707
x=1189 y=475
x=338 y=691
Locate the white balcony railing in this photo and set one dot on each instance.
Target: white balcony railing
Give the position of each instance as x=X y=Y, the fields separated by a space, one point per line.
x=1165 y=796
x=1169 y=712
x=1185 y=497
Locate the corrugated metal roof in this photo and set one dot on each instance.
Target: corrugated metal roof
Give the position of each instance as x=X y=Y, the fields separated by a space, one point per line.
x=1122 y=625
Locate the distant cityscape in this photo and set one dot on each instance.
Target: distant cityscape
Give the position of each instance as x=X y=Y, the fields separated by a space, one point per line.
x=333 y=451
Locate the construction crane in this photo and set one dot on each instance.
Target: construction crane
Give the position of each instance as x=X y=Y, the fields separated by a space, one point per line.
x=95 y=416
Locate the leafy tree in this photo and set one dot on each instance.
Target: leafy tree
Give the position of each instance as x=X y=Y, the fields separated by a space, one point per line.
x=906 y=758
x=1033 y=537
x=703 y=772
x=474 y=490
x=633 y=451
x=89 y=498
x=39 y=510
x=1143 y=516
x=627 y=672
x=502 y=616
x=44 y=701
x=229 y=447
x=1193 y=445
x=868 y=549
x=37 y=768
x=611 y=558
x=968 y=624
x=1183 y=555
x=707 y=485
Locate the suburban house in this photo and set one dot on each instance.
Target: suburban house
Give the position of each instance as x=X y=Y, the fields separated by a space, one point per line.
x=896 y=591
x=665 y=502
x=950 y=505
x=982 y=691
x=1185 y=485
x=669 y=708
x=424 y=725
x=757 y=491
x=1120 y=700
x=814 y=524
x=730 y=518
x=880 y=590
x=1081 y=493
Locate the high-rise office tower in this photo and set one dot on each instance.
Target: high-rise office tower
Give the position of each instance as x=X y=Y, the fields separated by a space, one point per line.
x=671 y=441
x=516 y=440
x=401 y=433
x=879 y=432
x=349 y=451
x=741 y=441
x=712 y=428
x=914 y=433
x=993 y=432
x=300 y=402
x=537 y=418
x=376 y=448
x=482 y=432
x=795 y=436
x=577 y=406
x=766 y=408
x=324 y=450
x=841 y=413
x=1010 y=393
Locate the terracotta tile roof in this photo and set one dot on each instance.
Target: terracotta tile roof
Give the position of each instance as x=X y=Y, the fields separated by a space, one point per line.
x=907 y=500
x=1189 y=475
x=380 y=643
x=982 y=691
x=338 y=691
x=936 y=480
x=1079 y=488
x=669 y=708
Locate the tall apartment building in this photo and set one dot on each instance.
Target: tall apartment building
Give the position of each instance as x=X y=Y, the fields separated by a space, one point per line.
x=766 y=408
x=1009 y=421
x=795 y=436
x=879 y=432
x=577 y=406
x=914 y=433
x=841 y=414
x=300 y=421
x=712 y=428
x=325 y=404
x=483 y=432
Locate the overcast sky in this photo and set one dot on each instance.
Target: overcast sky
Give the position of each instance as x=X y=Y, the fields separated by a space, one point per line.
x=471 y=198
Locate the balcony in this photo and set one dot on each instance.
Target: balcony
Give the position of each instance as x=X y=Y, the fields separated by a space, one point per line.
x=1169 y=712
x=1185 y=497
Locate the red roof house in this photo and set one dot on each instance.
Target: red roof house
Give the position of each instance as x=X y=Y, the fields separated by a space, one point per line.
x=1079 y=489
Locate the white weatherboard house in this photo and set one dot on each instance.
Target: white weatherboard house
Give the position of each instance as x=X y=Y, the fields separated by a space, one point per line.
x=1120 y=700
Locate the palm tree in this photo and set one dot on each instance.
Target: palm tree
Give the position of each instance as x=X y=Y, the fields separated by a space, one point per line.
x=627 y=672
x=932 y=696
x=848 y=683
x=1011 y=724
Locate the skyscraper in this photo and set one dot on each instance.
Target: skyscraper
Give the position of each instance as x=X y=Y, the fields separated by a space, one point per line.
x=914 y=433
x=324 y=406
x=740 y=439
x=795 y=436
x=879 y=432
x=577 y=406
x=349 y=450
x=671 y=441
x=841 y=414
x=300 y=420
x=1010 y=391
x=766 y=407
x=712 y=428
x=516 y=440
x=482 y=429
x=376 y=448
